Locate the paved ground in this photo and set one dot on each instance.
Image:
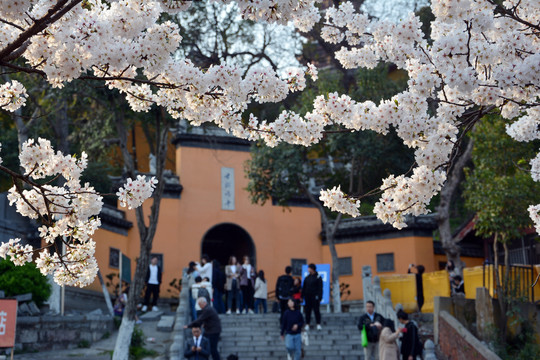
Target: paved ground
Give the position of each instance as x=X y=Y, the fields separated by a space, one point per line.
x=101 y=350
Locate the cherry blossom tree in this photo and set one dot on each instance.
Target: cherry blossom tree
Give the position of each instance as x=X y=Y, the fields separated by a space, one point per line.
x=484 y=58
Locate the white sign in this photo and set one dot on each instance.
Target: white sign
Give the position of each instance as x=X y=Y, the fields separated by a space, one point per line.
x=227 y=188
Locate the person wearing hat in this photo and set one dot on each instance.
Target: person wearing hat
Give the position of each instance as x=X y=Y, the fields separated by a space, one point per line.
x=312 y=294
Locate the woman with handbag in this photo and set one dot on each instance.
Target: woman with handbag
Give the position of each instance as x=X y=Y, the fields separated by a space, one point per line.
x=232 y=285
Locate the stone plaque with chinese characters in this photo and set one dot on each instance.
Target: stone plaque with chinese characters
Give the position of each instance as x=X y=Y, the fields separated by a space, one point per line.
x=227 y=188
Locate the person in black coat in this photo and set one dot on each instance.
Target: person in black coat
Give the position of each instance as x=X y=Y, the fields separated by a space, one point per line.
x=312 y=291
x=373 y=322
x=284 y=285
x=291 y=330
x=411 y=347
x=218 y=285
x=419 y=284
x=197 y=347
x=211 y=323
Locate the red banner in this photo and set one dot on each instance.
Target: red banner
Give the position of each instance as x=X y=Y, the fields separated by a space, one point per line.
x=8 y=321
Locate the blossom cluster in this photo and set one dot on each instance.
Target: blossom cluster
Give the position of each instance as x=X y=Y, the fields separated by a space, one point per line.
x=408 y=195
x=336 y=200
x=534 y=213
x=12 y=95
x=476 y=59
x=18 y=254
x=68 y=212
x=135 y=192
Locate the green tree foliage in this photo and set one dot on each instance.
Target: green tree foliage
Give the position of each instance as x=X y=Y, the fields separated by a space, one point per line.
x=499 y=188
x=16 y=280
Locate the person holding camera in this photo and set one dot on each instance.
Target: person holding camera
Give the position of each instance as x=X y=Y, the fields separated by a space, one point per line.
x=419 y=270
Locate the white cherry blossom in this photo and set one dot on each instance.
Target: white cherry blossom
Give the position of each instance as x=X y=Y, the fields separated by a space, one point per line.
x=336 y=200
x=135 y=192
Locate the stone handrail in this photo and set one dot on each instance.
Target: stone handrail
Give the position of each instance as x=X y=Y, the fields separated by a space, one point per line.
x=176 y=351
x=383 y=305
x=382 y=299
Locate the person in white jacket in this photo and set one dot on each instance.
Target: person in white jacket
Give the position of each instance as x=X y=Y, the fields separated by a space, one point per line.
x=205 y=267
x=261 y=292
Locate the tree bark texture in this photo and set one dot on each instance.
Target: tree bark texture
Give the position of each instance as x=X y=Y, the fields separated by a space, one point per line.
x=450 y=243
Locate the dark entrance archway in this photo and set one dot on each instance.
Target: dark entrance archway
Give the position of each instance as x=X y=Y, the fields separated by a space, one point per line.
x=225 y=240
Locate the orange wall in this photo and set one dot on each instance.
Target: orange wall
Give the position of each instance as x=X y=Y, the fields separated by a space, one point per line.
x=407 y=250
x=278 y=235
x=104 y=241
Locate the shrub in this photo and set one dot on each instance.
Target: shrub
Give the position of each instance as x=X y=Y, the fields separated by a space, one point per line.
x=16 y=280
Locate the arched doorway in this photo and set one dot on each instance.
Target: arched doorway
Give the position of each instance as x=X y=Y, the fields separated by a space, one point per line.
x=225 y=240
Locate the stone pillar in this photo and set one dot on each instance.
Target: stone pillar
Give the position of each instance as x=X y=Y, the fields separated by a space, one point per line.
x=367 y=285
x=389 y=312
x=429 y=351
x=485 y=314
x=54 y=300
x=436 y=311
x=377 y=294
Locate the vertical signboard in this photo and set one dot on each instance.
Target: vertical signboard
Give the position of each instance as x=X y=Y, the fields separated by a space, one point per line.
x=227 y=188
x=8 y=321
x=324 y=272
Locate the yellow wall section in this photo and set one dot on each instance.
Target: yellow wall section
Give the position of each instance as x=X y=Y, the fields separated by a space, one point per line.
x=406 y=250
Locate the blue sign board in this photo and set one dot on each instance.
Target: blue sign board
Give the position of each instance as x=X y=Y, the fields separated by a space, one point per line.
x=324 y=273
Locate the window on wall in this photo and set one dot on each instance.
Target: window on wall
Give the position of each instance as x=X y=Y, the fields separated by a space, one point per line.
x=114 y=258
x=345 y=265
x=296 y=265
x=385 y=262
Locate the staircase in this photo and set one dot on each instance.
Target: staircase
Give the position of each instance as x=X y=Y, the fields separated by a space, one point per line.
x=256 y=337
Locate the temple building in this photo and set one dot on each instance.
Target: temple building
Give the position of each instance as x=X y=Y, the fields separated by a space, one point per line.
x=207 y=210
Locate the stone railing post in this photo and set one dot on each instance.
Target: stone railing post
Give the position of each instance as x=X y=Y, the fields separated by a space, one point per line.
x=367 y=285
x=429 y=350
x=377 y=294
x=176 y=350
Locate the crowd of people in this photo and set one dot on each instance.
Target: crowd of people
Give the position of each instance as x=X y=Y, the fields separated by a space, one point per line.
x=381 y=336
x=246 y=292
x=240 y=289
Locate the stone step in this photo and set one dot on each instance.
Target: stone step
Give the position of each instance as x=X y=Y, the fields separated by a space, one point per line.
x=151 y=315
x=166 y=323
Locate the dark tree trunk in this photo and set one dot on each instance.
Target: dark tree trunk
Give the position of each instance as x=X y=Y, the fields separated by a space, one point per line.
x=330 y=231
x=449 y=243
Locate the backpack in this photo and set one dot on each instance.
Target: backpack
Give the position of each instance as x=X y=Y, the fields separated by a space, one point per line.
x=204 y=293
x=284 y=287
